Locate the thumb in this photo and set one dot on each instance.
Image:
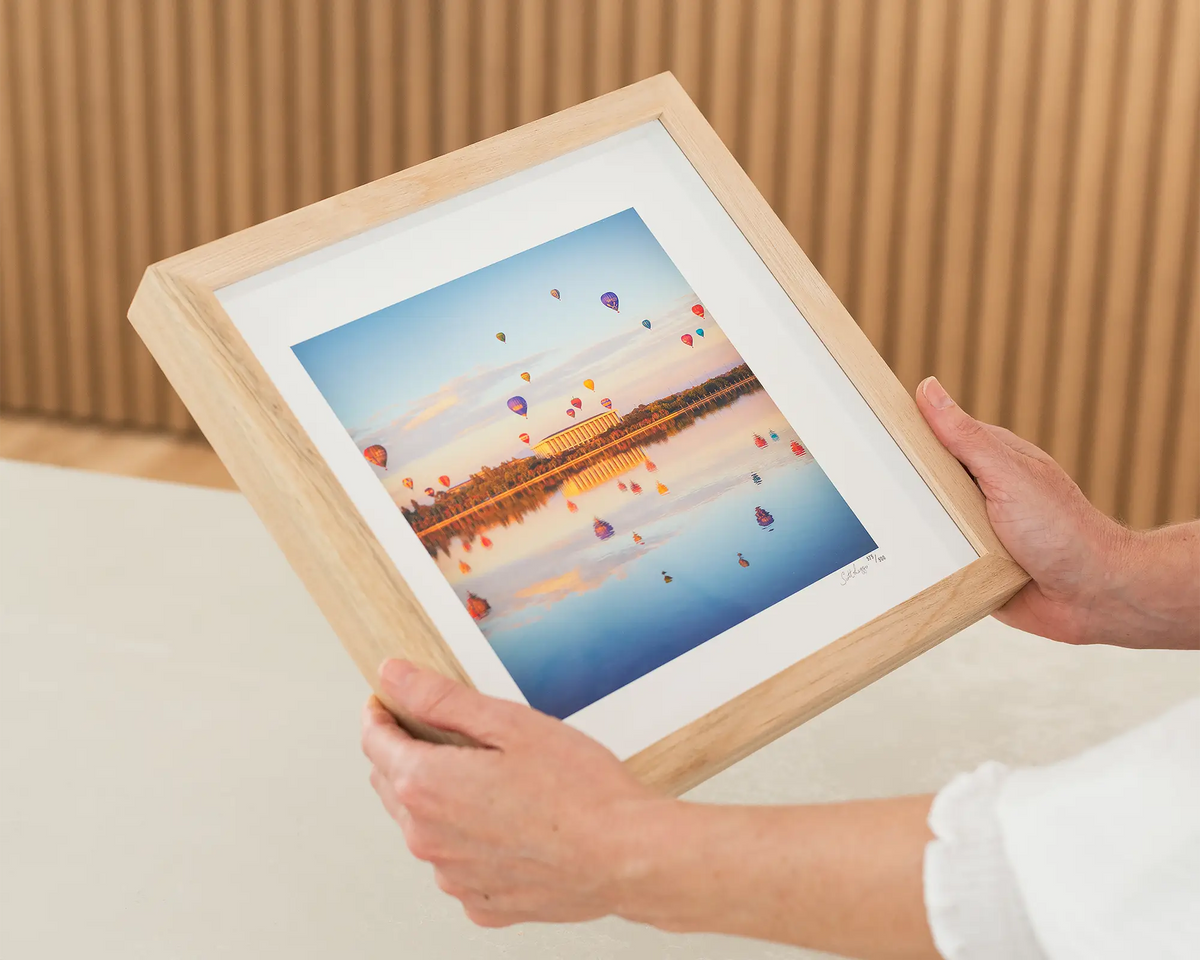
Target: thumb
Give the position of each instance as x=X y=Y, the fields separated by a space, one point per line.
x=983 y=453
x=434 y=699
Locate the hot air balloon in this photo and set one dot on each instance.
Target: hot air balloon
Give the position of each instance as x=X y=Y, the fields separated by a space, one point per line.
x=606 y=403
x=477 y=607
x=797 y=448
x=518 y=406
x=602 y=528
x=635 y=487
x=555 y=294
x=590 y=384
x=699 y=331
x=764 y=519
x=610 y=300
x=444 y=480
x=429 y=491
x=662 y=489
x=524 y=437
x=576 y=403
x=571 y=412
x=376 y=455
x=621 y=486
x=687 y=338
x=651 y=466
x=759 y=441
x=742 y=561
x=667 y=578
x=466 y=545
x=525 y=377
x=408 y=482
x=698 y=310
x=756 y=478
x=485 y=543
x=571 y=507
x=501 y=337
x=464 y=567
x=637 y=537
x=774 y=435
x=646 y=324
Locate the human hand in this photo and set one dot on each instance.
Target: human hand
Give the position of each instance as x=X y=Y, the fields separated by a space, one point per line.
x=538 y=823
x=1077 y=557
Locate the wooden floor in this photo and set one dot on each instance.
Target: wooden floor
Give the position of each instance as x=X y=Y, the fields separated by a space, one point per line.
x=125 y=452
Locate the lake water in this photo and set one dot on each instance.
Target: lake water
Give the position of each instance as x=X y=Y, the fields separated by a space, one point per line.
x=574 y=617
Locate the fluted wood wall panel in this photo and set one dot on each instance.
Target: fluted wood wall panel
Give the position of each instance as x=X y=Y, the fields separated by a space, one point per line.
x=1004 y=192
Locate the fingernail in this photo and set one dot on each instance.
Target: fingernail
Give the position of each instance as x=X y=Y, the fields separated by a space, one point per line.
x=393 y=672
x=936 y=394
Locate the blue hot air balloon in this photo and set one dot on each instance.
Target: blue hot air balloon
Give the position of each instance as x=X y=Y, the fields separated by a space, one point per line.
x=646 y=324
x=518 y=406
x=610 y=300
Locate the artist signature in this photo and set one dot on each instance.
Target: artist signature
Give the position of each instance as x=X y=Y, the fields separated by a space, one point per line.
x=860 y=567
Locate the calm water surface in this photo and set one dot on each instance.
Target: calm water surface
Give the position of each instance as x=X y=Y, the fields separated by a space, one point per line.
x=574 y=617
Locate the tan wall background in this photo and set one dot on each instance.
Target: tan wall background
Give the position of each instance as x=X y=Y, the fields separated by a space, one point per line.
x=1004 y=192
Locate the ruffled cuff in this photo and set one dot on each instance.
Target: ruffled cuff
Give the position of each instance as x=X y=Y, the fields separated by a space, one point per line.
x=971 y=897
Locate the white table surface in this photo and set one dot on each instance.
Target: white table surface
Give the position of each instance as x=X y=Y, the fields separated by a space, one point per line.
x=179 y=763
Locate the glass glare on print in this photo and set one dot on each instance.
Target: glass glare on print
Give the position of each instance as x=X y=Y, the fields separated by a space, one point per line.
x=595 y=470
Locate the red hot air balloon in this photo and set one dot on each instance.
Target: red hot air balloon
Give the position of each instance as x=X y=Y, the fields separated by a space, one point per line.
x=429 y=491
x=524 y=438
x=376 y=455
x=698 y=310
x=610 y=300
x=687 y=338
x=576 y=403
x=518 y=406
x=444 y=480
x=606 y=403
x=571 y=507
x=408 y=482
x=485 y=543
x=571 y=412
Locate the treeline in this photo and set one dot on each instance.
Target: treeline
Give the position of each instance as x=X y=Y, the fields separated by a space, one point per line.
x=505 y=492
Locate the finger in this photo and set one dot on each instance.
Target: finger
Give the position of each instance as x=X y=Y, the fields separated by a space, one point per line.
x=1020 y=444
x=441 y=702
x=387 y=796
x=989 y=458
x=388 y=747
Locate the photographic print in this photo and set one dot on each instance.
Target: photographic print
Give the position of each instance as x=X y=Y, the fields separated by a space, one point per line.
x=597 y=473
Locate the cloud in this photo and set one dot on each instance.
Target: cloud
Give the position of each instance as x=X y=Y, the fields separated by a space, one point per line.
x=443 y=403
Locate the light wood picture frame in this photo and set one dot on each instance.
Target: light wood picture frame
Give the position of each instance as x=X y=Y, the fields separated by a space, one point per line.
x=342 y=562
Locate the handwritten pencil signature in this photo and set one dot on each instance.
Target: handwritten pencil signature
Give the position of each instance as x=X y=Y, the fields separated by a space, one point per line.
x=860 y=567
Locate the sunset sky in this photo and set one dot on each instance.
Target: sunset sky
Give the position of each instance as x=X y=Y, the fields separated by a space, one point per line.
x=428 y=379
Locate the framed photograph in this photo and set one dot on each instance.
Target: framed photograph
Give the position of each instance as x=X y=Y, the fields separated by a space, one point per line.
x=568 y=415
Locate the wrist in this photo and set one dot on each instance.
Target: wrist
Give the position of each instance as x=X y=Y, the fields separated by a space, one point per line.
x=654 y=864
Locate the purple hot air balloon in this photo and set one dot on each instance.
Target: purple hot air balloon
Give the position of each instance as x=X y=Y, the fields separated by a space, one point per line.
x=610 y=300
x=606 y=403
x=518 y=406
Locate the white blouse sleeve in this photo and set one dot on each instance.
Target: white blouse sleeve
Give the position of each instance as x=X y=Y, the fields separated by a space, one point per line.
x=1095 y=857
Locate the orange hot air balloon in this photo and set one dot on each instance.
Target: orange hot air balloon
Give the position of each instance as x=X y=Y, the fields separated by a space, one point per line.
x=524 y=438
x=408 y=482
x=464 y=567
x=698 y=310
x=662 y=489
x=590 y=384
x=651 y=466
x=501 y=337
x=525 y=377
x=377 y=455
x=444 y=480
x=571 y=507
x=466 y=545
x=687 y=338
x=576 y=403
x=742 y=561
x=556 y=295
x=485 y=543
